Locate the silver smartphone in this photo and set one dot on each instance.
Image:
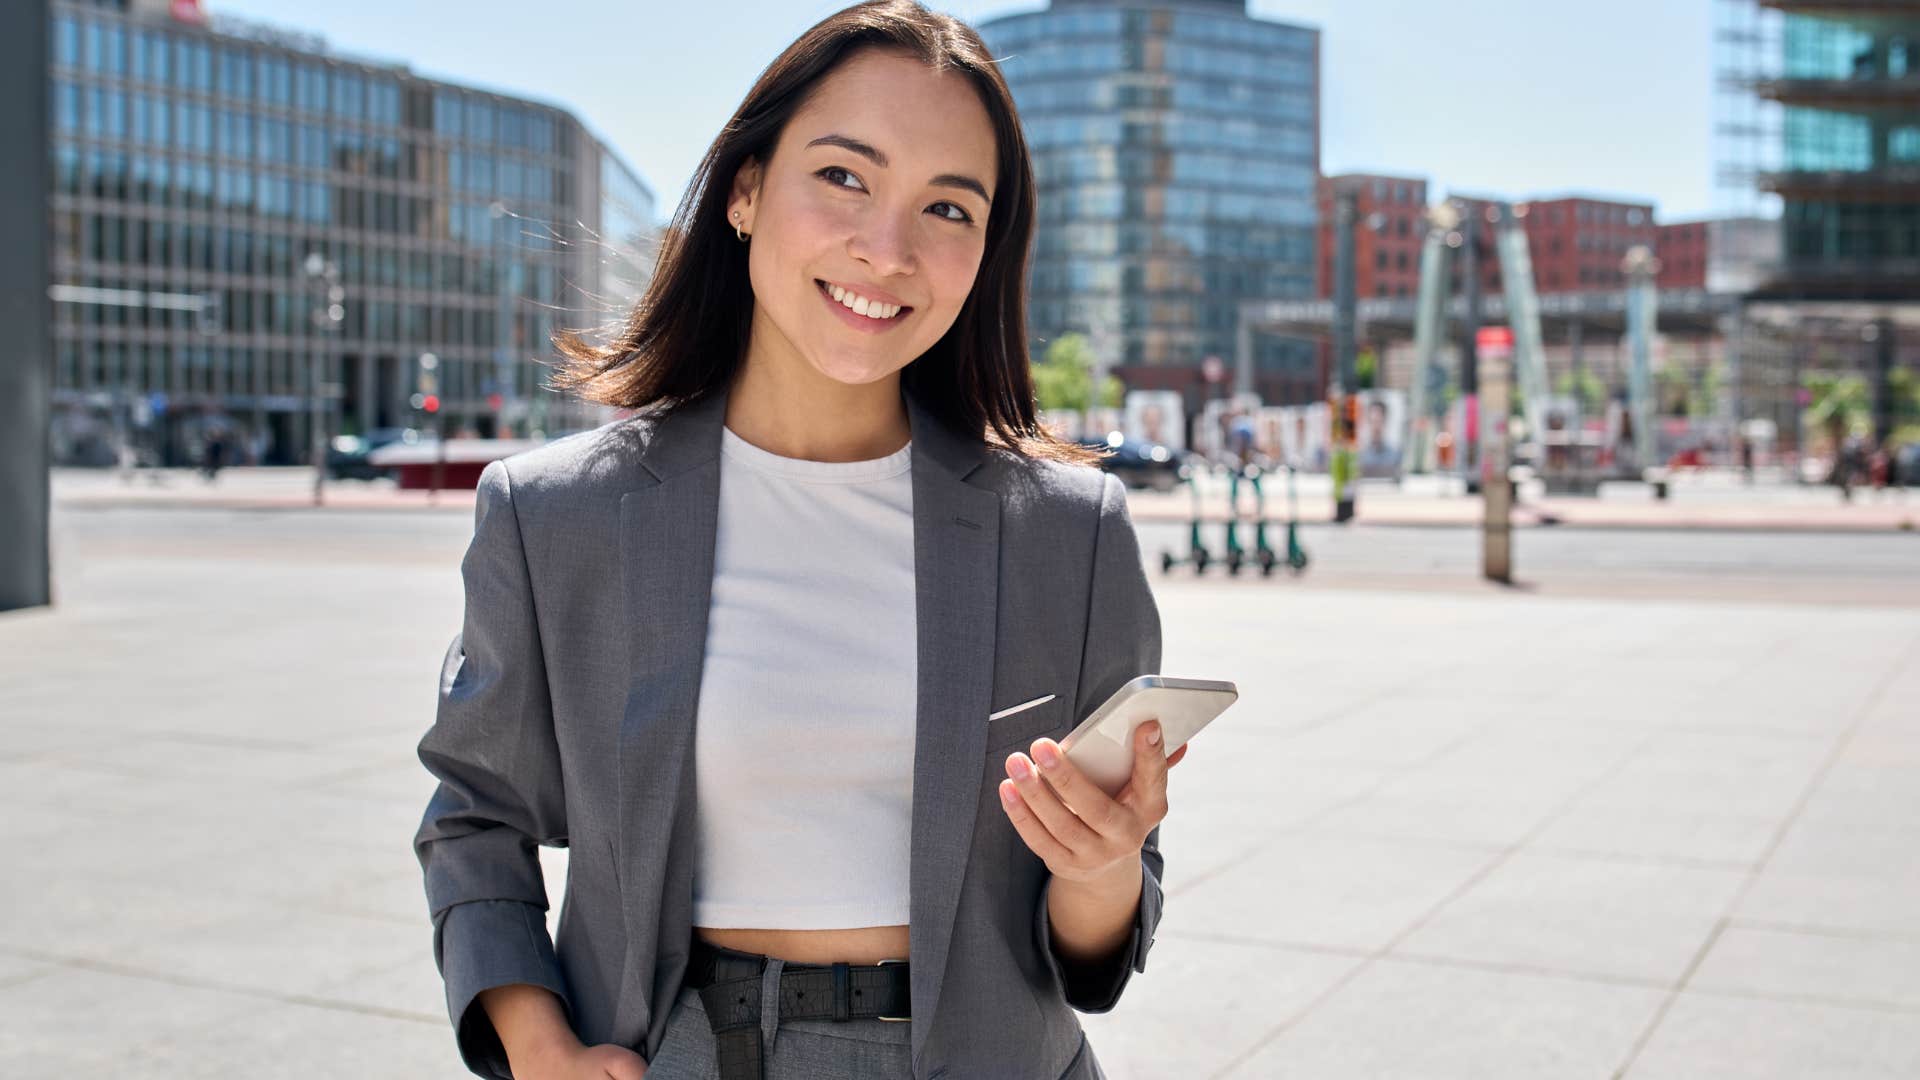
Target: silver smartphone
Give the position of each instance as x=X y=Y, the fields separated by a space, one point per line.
x=1102 y=746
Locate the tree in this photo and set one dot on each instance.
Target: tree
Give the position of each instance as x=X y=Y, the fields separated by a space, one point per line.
x=1063 y=378
x=1590 y=391
x=1840 y=405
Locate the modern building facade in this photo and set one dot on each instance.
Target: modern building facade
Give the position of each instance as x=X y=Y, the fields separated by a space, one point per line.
x=1848 y=176
x=1176 y=148
x=202 y=167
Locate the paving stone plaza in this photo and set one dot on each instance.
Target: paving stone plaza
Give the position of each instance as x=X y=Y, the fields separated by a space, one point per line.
x=1447 y=832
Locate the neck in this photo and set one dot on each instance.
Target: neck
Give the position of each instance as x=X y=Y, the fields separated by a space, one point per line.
x=788 y=408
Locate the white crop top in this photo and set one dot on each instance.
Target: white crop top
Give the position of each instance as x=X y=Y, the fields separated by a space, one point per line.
x=803 y=744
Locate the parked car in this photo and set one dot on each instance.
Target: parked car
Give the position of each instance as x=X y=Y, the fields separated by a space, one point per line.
x=347 y=454
x=1139 y=464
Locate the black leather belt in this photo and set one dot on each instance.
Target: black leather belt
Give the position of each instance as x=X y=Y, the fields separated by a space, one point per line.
x=729 y=986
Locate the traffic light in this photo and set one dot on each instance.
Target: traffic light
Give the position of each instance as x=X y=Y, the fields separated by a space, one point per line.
x=431 y=403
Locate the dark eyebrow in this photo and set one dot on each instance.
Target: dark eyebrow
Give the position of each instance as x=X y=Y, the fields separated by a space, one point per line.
x=952 y=180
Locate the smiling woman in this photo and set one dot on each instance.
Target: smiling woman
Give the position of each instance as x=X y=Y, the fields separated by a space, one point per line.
x=879 y=159
x=748 y=653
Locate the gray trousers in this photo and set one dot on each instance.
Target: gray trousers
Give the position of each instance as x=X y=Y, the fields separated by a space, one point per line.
x=795 y=1049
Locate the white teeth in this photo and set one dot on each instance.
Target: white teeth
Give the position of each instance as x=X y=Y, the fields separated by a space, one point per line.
x=860 y=305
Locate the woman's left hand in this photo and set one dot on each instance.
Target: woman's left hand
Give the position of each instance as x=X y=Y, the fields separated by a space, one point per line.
x=1079 y=831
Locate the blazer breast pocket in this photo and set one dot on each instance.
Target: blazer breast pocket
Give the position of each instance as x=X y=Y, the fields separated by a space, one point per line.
x=1018 y=725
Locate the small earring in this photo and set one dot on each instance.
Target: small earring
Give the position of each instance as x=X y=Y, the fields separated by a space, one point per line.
x=738 y=235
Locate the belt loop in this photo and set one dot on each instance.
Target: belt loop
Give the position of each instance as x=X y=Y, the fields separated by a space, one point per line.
x=770 y=1004
x=842 y=999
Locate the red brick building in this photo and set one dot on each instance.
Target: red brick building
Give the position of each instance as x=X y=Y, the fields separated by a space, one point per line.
x=1682 y=249
x=1577 y=243
x=1387 y=255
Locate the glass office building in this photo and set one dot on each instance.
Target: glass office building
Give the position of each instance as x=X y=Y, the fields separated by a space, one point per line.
x=1849 y=175
x=199 y=170
x=1176 y=149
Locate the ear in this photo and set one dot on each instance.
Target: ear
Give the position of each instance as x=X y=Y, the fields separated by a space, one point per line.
x=743 y=193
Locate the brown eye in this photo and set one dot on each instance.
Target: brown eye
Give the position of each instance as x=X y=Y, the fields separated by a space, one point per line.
x=830 y=172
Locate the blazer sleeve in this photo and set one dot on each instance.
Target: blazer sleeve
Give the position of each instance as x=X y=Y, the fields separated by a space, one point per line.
x=1122 y=641
x=493 y=750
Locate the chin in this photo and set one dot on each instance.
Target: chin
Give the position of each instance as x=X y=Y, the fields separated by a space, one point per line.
x=855 y=373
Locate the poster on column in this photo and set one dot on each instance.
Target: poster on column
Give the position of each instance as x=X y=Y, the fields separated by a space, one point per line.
x=1383 y=417
x=1306 y=436
x=1157 y=418
x=1269 y=435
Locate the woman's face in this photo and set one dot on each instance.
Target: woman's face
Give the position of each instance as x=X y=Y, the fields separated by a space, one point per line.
x=876 y=193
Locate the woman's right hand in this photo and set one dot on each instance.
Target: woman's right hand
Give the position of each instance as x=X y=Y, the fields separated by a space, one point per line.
x=580 y=1062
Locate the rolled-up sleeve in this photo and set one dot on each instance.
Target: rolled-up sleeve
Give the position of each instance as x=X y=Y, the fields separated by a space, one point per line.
x=1123 y=641
x=493 y=750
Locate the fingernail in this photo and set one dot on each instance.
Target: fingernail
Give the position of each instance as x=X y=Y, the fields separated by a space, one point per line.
x=1017 y=767
x=1008 y=795
x=1153 y=735
x=1047 y=756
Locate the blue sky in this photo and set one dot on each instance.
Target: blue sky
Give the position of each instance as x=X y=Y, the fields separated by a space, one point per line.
x=1511 y=97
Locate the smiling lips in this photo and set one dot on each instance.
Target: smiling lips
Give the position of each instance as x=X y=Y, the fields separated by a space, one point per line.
x=875 y=311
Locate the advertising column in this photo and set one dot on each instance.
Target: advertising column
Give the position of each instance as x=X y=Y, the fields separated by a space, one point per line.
x=1495 y=346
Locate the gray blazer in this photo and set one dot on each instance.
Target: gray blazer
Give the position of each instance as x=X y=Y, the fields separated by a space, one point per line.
x=566 y=717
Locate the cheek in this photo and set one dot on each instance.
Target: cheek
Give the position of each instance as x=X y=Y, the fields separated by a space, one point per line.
x=954 y=269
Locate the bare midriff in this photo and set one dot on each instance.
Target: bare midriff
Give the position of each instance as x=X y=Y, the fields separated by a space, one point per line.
x=857 y=945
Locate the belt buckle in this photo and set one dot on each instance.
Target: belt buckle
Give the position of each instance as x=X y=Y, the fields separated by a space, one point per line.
x=894 y=1019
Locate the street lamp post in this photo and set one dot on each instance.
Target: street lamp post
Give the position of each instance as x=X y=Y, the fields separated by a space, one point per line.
x=503 y=361
x=329 y=311
x=1345 y=462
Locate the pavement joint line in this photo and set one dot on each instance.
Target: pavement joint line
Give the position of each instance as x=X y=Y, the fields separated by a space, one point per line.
x=1420 y=921
x=107 y=967
x=1351 y=952
x=28 y=976
x=1773 y=846
x=1678 y=862
x=1864 y=1004
x=1535 y=970
x=1504 y=968
x=1843 y=933
x=231 y=742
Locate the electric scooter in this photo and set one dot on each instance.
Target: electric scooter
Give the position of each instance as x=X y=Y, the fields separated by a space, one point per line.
x=1197 y=549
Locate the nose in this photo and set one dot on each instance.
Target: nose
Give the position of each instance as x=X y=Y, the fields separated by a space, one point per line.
x=884 y=241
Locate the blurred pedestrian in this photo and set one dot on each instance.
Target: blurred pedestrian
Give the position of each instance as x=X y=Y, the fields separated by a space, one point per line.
x=213 y=453
x=1746 y=460
x=1880 y=469
x=835 y=333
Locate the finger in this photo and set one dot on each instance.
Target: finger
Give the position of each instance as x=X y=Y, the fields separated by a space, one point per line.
x=1083 y=797
x=1177 y=755
x=1032 y=832
x=1044 y=801
x=1146 y=791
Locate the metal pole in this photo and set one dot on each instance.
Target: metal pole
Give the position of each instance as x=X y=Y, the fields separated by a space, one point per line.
x=1345 y=315
x=1642 y=319
x=1469 y=345
x=329 y=310
x=503 y=364
x=1575 y=331
x=1885 y=339
x=26 y=368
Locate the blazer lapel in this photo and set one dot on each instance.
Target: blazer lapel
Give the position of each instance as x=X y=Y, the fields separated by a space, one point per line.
x=956 y=556
x=667 y=529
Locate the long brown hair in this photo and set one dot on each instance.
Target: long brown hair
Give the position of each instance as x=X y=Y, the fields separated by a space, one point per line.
x=688 y=334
